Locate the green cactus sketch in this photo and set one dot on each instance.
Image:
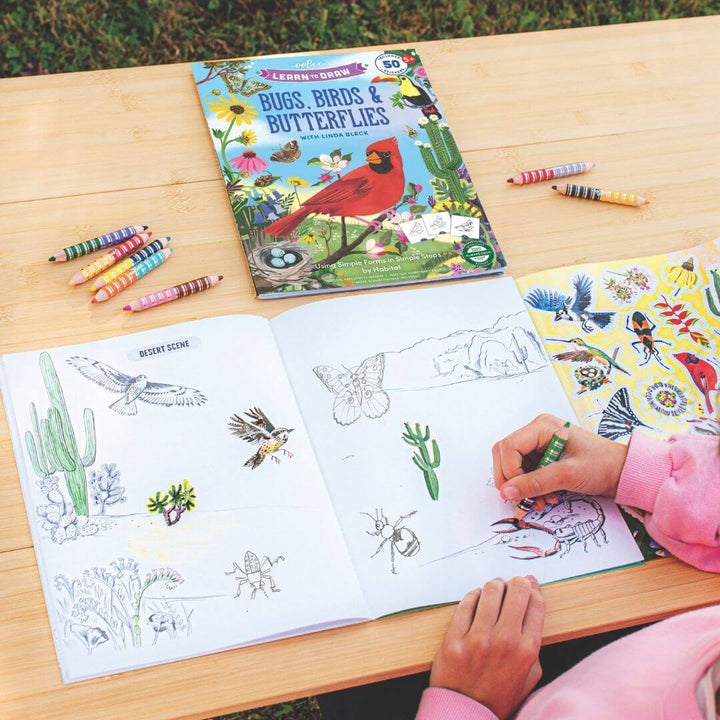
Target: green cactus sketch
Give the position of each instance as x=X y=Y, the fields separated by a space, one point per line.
x=714 y=302
x=441 y=156
x=421 y=457
x=51 y=444
x=174 y=502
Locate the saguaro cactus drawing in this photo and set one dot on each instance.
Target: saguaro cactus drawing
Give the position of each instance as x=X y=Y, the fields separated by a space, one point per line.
x=422 y=458
x=51 y=444
x=441 y=156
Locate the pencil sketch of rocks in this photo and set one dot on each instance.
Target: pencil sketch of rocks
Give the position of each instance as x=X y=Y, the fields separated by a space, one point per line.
x=508 y=349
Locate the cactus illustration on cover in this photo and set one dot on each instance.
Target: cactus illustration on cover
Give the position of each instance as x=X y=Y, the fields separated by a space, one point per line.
x=342 y=172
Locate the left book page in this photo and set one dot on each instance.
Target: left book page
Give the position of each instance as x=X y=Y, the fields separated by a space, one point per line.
x=163 y=527
x=342 y=172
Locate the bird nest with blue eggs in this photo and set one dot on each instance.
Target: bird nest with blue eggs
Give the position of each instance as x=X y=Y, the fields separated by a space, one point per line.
x=282 y=262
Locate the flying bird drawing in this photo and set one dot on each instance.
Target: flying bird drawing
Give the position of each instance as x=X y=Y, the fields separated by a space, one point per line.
x=367 y=190
x=134 y=388
x=573 y=308
x=261 y=432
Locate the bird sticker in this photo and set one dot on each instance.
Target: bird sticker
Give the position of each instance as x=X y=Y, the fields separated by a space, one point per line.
x=367 y=190
x=573 y=308
x=702 y=373
x=132 y=388
x=258 y=430
x=358 y=391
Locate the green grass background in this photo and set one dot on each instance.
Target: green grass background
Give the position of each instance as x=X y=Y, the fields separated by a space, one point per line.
x=65 y=35
x=52 y=36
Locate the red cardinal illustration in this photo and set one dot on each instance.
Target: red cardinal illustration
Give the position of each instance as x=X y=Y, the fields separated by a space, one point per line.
x=703 y=374
x=367 y=190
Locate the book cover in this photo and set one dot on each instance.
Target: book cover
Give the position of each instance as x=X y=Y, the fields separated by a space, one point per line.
x=342 y=172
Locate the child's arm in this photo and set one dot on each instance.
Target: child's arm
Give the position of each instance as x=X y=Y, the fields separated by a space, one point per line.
x=488 y=662
x=677 y=482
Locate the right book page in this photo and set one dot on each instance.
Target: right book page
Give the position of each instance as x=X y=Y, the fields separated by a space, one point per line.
x=635 y=344
x=403 y=395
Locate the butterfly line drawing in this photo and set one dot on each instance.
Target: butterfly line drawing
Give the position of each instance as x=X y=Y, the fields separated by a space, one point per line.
x=358 y=391
x=618 y=418
x=288 y=153
x=134 y=387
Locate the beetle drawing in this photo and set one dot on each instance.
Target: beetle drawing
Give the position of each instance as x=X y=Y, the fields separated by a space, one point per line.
x=256 y=574
x=401 y=538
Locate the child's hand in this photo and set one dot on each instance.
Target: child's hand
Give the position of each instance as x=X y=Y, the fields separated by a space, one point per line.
x=590 y=464
x=490 y=652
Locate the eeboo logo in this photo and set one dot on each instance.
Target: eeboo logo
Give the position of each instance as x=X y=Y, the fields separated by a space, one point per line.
x=390 y=64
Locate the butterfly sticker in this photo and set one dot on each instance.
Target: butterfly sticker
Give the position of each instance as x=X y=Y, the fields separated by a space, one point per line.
x=357 y=390
x=290 y=152
x=618 y=418
x=239 y=85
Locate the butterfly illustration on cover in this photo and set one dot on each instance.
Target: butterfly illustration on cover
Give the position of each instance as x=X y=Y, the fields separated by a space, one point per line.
x=358 y=391
x=618 y=418
x=240 y=85
x=288 y=153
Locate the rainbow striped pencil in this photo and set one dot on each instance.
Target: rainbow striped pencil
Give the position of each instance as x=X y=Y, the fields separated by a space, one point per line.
x=609 y=196
x=130 y=262
x=131 y=276
x=174 y=293
x=98 y=243
x=532 y=176
x=110 y=258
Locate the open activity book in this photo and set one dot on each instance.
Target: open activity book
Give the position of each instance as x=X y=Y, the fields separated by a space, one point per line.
x=234 y=480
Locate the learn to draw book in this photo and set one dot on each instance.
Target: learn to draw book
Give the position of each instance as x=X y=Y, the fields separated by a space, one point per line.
x=342 y=172
x=235 y=479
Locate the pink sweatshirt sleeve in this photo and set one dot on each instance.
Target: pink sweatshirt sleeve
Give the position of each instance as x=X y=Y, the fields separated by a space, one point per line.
x=678 y=483
x=442 y=704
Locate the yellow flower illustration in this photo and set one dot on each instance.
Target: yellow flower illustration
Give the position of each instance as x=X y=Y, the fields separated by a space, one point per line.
x=297 y=182
x=233 y=109
x=247 y=137
x=683 y=276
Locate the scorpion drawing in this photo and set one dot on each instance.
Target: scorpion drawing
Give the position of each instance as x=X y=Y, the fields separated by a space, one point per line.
x=256 y=574
x=574 y=519
x=402 y=539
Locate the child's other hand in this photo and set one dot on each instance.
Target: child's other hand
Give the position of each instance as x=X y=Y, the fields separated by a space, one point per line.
x=490 y=652
x=590 y=464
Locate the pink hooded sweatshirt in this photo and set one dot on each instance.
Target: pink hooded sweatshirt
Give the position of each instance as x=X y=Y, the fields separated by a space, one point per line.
x=670 y=670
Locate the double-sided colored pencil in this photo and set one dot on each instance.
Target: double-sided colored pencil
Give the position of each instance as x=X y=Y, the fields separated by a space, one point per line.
x=130 y=262
x=131 y=276
x=174 y=293
x=110 y=258
x=532 y=176
x=97 y=243
x=610 y=196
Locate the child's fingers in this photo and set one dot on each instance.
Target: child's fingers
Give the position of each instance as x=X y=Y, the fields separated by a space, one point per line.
x=534 y=620
x=488 y=607
x=463 y=617
x=545 y=480
x=534 y=436
x=515 y=604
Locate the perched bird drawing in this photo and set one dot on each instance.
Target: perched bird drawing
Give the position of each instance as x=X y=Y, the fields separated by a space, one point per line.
x=134 y=388
x=261 y=432
x=412 y=95
x=367 y=190
x=575 y=308
x=582 y=352
x=703 y=374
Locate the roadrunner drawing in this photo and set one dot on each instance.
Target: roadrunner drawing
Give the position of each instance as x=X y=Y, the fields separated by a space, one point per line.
x=260 y=431
x=134 y=388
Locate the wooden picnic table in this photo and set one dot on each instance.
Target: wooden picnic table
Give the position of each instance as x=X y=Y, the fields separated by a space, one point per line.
x=87 y=152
